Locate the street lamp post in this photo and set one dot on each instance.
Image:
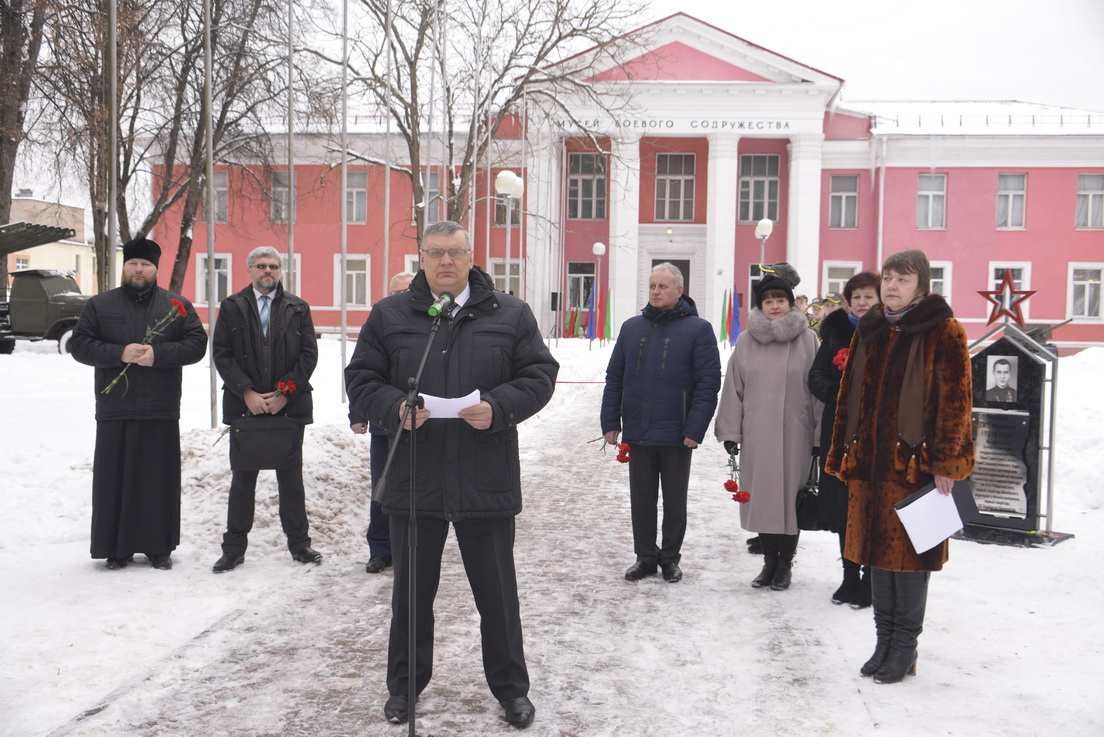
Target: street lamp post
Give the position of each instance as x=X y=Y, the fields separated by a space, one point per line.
x=763 y=230
x=510 y=185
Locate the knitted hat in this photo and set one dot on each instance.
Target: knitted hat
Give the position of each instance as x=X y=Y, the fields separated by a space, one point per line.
x=773 y=284
x=142 y=248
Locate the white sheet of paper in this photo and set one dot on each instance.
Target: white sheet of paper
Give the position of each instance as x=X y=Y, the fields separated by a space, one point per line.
x=441 y=408
x=930 y=520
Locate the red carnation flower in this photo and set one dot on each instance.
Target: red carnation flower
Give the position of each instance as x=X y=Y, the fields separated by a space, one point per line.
x=622 y=447
x=743 y=497
x=622 y=457
x=731 y=485
x=286 y=388
x=840 y=359
x=178 y=306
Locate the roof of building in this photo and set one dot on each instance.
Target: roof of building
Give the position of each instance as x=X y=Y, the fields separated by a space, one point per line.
x=977 y=117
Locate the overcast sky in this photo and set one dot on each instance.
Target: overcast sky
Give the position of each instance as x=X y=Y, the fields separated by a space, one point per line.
x=1048 y=51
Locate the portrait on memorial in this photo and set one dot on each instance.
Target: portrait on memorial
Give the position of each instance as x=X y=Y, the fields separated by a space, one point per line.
x=1001 y=378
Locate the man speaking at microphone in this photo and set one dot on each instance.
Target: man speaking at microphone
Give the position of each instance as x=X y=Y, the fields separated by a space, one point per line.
x=468 y=471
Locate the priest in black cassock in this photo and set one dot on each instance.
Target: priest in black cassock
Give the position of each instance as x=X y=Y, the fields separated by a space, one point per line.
x=149 y=334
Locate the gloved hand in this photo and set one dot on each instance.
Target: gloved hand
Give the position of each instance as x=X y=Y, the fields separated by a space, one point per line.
x=732 y=447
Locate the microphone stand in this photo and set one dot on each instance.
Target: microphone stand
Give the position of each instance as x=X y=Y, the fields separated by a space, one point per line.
x=411 y=404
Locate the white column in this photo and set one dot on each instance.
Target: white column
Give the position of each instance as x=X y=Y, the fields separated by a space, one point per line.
x=542 y=195
x=624 y=251
x=803 y=211
x=720 y=221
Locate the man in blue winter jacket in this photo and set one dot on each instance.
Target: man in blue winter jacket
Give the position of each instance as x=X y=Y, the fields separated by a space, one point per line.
x=661 y=390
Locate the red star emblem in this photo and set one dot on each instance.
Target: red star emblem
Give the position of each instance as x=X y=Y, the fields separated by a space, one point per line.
x=1006 y=300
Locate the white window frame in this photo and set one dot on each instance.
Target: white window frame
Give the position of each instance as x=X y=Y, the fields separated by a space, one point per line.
x=337 y=280
x=411 y=263
x=22 y=263
x=201 y=276
x=433 y=197
x=1098 y=265
x=855 y=266
x=930 y=194
x=843 y=197
x=1095 y=197
x=752 y=281
x=1025 y=282
x=279 y=199
x=500 y=211
x=355 y=196
x=767 y=179
x=497 y=266
x=1010 y=195
x=582 y=279
x=222 y=196
x=682 y=179
x=575 y=183
x=948 y=277
x=298 y=270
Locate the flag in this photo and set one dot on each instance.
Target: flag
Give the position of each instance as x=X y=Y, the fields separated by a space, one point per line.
x=571 y=319
x=609 y=323
x=724 y=318
x=734 y=327
x=592 y=316
x=601 y=328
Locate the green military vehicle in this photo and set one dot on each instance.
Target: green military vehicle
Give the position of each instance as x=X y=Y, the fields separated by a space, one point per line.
x=43 y=304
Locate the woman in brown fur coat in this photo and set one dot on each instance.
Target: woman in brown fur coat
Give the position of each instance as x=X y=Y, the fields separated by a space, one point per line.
x=902 y=421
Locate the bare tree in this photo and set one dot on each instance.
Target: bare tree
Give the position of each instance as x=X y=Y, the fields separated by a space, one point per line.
x=162 y=118
x=482 y=56
x=21 y=29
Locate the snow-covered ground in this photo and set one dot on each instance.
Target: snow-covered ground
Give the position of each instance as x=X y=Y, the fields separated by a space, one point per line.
x=1012 y=644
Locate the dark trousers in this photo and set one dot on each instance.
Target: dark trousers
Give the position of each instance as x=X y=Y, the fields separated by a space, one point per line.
x=649 y=467
x=487 y=549
x=379 y=537
x=293 y=509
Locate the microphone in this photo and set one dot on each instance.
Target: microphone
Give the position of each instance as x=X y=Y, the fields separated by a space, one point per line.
x=443 y=304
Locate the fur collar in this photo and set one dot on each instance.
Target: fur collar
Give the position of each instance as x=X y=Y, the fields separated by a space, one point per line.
x=927 y=314
x=783 y=330
x=836 y=328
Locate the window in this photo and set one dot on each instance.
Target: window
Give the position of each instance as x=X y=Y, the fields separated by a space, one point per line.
x=758 y=188
x=222 y=277
x=432 y=184
x=22 y=263
x=1011 y=195
x=836 y=274
x=755 y=275
x=411 y=263
x=586 y=187
x=356 y=197
x=500 y=210
x=222 y=197
x=498 y=273
x=931 y=198
x=674 y=187
x=843 y=203
x=1090 y=201
x=298 y=272
x=941 y=279
x=1021 y=277
x=358 y=274
x=280 y=202
x=1084 y=290
x=580 y=283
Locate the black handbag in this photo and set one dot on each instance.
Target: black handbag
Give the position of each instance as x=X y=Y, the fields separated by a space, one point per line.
x=260 y=442
x=808 y=499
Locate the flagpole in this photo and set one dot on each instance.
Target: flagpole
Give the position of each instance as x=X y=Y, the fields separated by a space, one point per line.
x=344 y=189
x=387 y=156
x=291 y=270
x=212 y=272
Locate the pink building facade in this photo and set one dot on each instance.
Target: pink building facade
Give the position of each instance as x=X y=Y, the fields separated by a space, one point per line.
x=704 y=135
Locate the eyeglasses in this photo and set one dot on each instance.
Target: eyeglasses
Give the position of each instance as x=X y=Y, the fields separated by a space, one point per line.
x=436 y=254
x=267 y=267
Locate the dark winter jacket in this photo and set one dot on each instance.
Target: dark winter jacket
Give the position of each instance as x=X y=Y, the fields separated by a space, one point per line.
x=491 y=344
x=110 y=321
x=663 y=377
x=824 y=381
x=239 y=349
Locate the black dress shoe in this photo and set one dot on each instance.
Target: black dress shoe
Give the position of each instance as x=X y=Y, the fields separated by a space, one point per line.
x=114 y=564
x=397 y=709
x=376 y=563
x=519 y=711
x=228 y=562
x=639 y=570
x=671 y=572
x=307 y=555
x=162 y=562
